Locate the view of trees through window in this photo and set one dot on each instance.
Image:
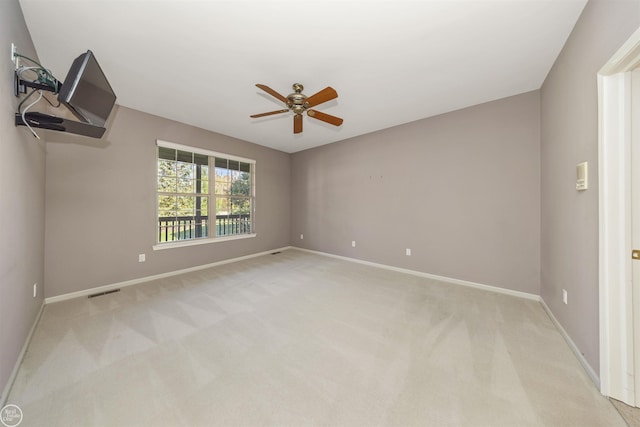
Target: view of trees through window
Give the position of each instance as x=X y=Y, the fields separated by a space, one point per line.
x=185 y=196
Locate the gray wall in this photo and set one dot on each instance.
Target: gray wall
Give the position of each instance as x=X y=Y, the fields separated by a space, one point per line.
x=569 y=241
x=100 y=197
x=461 y=190
x=22 y=173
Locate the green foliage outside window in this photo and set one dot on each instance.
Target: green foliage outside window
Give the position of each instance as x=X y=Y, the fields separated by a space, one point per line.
x=183 y=195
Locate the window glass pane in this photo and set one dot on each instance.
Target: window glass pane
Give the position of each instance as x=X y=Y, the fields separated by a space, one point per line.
x=222 y=175
x=186 y=186
x=166 y=216
x=186 y=170
x=235 y=219
x=240 y=206
x=166 y=153
x=204 y=172
x=166 y=168
x=222 y=206
x=200 y=228
x=222 y=188
x=221 y=163
x=184 y=156
x=204 y=206
x=166 y=185
x=202 y=187
x=241 y=184
x=167 y=204
x=186 y=205
x=165 y=230
x=200 y=159
x=186 y=175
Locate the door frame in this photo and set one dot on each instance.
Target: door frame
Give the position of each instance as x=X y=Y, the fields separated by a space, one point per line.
x=617 y=367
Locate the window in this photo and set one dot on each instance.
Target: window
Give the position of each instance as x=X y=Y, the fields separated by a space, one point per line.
x=203 y=194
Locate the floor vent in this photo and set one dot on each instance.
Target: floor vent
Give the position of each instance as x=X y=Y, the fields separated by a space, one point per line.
x=275 y=253
x=99 y=294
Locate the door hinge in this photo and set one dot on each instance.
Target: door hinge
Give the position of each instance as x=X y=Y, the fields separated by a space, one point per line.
x=635 y=254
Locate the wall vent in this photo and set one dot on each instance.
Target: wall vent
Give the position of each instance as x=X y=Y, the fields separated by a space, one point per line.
x=99 y=294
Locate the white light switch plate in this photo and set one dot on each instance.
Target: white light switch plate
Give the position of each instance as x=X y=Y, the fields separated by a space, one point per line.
x=582 y=176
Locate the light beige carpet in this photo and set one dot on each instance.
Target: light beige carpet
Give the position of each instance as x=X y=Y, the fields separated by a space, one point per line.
x=630 y=414
x=298 y=339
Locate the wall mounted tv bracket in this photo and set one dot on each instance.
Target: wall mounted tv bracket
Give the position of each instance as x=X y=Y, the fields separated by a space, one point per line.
x=46 y=121
x=20 y=85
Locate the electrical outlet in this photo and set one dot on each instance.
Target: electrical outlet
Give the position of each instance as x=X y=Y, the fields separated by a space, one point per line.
x=408 y=252
x=353 y=243
x=142 y=258
x=35 y=290
x=301 y=236
x=564 y=296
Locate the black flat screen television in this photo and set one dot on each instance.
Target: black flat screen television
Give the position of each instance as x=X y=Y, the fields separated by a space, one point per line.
x=87 y=92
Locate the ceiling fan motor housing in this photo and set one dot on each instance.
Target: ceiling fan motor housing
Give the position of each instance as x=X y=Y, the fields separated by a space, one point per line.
x=297 y=99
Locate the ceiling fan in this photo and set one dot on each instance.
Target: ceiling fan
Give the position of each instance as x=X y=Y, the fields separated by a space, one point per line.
x=298 y=102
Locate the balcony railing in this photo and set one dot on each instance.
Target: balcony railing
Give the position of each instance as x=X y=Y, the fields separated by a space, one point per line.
x=174 y=228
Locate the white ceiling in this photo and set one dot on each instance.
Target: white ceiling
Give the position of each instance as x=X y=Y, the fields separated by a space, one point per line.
x=391 y=62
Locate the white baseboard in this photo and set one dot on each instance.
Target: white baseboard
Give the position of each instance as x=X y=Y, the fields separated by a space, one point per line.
x=592 y=374
x=106 y=288
x=499 y=290
x=16 y=367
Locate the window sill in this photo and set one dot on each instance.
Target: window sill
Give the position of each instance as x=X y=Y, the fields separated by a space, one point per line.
x=195 y=242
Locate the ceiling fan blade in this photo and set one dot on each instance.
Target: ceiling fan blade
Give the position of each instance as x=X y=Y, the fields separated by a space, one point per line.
x=269 y=113
x=332 y=120
x=326 y=94
x=273 y=93
x=297 y=123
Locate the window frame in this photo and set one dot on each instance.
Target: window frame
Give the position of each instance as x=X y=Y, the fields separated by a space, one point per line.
x=211 y=195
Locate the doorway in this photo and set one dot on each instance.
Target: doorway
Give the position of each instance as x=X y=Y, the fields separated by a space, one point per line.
x=619 y=196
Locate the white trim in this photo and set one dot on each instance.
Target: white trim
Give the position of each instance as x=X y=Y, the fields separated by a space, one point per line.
x=626 y=58
x=617 y=371
x=614 y=152
x=167 y=144
x=16 y=367
x=489 y=288
x=205 y=241
x=106 y=288
x=592 y=374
